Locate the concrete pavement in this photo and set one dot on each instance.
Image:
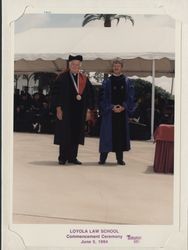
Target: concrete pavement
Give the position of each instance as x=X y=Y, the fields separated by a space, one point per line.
x=45 y=192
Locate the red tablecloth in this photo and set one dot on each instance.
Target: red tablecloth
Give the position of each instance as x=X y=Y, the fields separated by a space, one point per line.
x=164 y=150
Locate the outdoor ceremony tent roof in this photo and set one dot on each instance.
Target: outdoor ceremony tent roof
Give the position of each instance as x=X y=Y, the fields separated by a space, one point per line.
x=146 y=51
x=47 y=49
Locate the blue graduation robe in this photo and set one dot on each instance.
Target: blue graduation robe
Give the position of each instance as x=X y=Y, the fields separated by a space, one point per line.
x=106 y=105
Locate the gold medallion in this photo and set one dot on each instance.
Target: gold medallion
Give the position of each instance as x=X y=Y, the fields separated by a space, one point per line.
x=78 y=97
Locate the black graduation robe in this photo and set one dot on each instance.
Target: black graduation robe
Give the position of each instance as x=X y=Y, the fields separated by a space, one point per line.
x=70 y=130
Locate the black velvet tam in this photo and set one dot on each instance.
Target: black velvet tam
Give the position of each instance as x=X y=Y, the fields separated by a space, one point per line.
x=78 y=57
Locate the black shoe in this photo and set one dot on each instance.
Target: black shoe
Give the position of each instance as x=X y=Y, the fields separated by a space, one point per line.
x=101 y=162
x=77 y=162
x=121 y=162
x=62 y=162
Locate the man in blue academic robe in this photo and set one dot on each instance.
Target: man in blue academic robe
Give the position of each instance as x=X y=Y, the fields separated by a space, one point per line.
x=116 y=105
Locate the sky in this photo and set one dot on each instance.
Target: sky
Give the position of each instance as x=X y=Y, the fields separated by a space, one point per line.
x=30 y=21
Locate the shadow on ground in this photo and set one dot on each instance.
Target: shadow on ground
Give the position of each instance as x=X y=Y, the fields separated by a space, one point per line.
x=84 y=164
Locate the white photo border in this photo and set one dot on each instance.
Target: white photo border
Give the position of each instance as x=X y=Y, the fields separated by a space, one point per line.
x=17 y=236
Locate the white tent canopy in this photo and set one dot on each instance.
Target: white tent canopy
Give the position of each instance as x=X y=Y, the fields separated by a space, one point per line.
x=47 y=49
x=145 y=50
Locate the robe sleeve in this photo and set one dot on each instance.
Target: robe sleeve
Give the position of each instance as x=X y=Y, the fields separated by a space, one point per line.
x=130 y=103
x=90 y=95
x=57 y=93
x=105 y=105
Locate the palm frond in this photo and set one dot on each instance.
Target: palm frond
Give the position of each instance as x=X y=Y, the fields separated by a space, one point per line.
x=87 y=15
x=126 y=17
x=112 y=16
x=118 y=19
x=106 y=18
x=90 y=17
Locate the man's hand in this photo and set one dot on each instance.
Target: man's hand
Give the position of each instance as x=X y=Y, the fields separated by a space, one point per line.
x=118 y=108
x=88 y=115
x=59 y=113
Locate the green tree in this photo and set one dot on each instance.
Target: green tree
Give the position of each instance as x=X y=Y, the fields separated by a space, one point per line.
x=143 y=88
x=107 y=18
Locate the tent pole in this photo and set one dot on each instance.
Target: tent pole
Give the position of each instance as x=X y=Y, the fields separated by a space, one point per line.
x=153 y=99
x=172 y=86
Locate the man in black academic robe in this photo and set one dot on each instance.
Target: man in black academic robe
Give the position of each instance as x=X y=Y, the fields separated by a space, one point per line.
x=72 y=97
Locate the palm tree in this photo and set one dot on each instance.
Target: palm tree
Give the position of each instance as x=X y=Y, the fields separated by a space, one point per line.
x=107 y=18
